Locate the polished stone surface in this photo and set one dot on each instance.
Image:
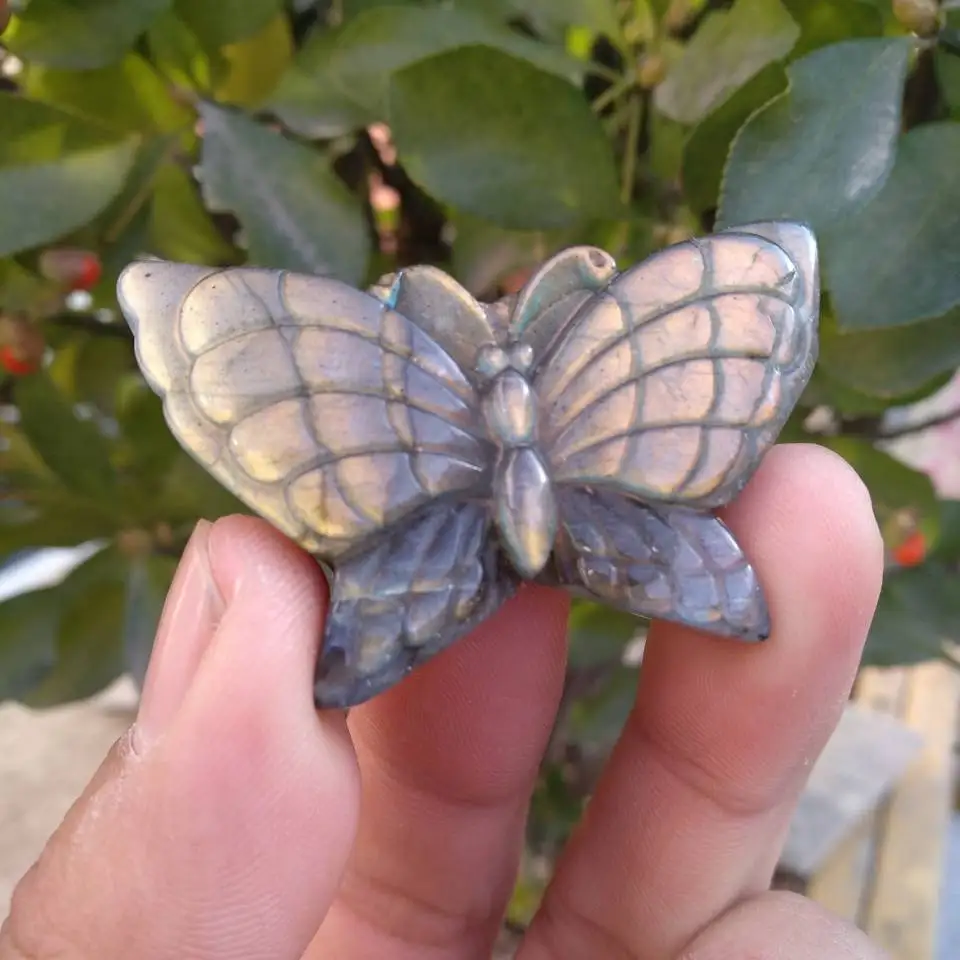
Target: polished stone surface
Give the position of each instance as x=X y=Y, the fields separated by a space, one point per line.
x=435 y=451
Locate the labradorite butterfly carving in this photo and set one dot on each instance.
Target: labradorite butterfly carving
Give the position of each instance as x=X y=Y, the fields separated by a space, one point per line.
x=435 y=451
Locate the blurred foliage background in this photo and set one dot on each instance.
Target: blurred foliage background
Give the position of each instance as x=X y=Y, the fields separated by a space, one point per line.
x=353 y=137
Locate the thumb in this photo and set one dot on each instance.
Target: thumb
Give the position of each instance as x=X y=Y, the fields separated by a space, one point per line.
x=219 y=825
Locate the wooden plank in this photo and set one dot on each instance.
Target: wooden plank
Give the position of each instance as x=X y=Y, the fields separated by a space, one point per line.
x=902 y=914
x=842 y=884
x=863 y=760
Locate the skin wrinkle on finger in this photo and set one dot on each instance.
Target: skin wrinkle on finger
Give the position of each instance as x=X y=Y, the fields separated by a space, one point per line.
x=408 y=922
x=698 y=789
x=191 y=612
x=781 y=926
x=448 y=761
x=227 y=839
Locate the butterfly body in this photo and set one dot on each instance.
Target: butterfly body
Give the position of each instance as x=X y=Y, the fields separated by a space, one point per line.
x=436 y=451
x=524 y=505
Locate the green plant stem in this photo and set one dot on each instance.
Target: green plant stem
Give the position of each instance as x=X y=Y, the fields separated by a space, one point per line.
x=604 y=72
x=614 y=121
x=630 y=150
x=140 y=198
x=623 y=85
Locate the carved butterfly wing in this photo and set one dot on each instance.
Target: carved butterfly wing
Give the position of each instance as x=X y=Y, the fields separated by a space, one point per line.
x=669 y=563
x=667 y=387
x=343 y=422
x=416 y=591
x=672 y=382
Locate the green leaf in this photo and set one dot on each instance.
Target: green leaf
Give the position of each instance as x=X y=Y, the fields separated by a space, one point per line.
x=706 y=150
x=527 y=154
x=947 y=63
x=79 y=36
x=147 y=446
x=218 y=23
x=100 y=361
x=178 y=53
x=894 y=361
x=308 y=100
x=824 y=147
x=189 y=492
x=597 y=16
x=918 y=611
x=180 y=227
x=728 y=49
x=20 y=463
x=127 y=96
x=375 y=45
x=597 y=720
x=57 y=172
x=667 y=141
x=896 y=260
x=827 y=388
x=63 y=523
x=148 y=581
x=45 y=201
x=947 y=547
x=254 y=66
x=484 y=253
x=28 y=636
x=73 y=449
x=599 y=635
x=20 y=290
x=893 y=485
x=122 y=230
x=823 y=22
x=89 y=647
x=295 y=212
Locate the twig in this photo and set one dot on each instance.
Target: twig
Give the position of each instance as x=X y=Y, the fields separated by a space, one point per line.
x=90 y=324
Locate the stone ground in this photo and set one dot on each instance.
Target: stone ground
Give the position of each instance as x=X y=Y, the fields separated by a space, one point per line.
x=46 y=760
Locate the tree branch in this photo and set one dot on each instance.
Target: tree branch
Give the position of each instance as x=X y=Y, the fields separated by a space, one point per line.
x=90 y=324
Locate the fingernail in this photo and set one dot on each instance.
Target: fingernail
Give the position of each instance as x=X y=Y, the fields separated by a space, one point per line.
x=190 y=617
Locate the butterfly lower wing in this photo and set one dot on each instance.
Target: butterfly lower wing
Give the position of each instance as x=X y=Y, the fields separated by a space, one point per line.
x=321 y=407
x=671 y=382
x=668 y=563
x=409 y=596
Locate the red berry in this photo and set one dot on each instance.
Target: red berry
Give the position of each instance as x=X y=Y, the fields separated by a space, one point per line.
x=21 y=345
x=912 y=551
x=14 y=364
x=74 y=269
x=89 y=274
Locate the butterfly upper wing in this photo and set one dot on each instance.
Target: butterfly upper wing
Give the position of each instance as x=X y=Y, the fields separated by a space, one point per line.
x=324 y=409
x=671 y=382
x=415 y=591
x=671 y=563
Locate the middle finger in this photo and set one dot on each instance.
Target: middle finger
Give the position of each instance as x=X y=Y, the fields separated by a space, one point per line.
x=448 y=762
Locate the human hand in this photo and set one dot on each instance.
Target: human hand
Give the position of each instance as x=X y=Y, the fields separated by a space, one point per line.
x=233 y=822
